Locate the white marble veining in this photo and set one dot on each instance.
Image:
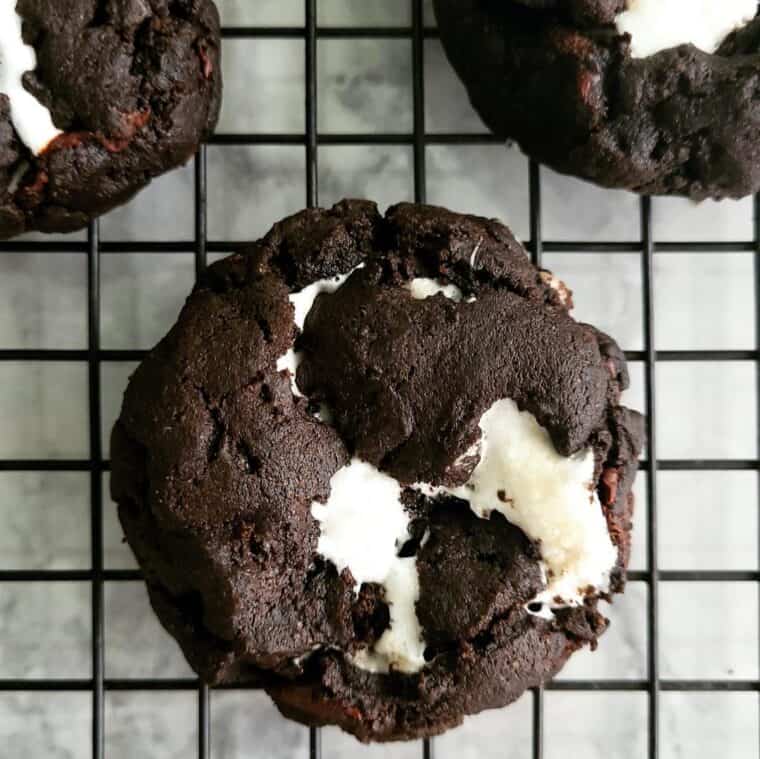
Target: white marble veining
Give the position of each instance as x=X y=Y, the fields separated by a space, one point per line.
x=381 y=172
x=623 y=655
x=43 y=408
x=447 y=107
x=353 y=13
x=609 y=725
x=707 y=520
x=606 y=292
x=45 y=520
x=706 y=410
x=639 y=541
x=246 y=723
x=697 y=534
x=705 y=301
x=498 y=734
x=154 y=725
x=708 y=631
x=137 y=646
x=262 y=12
x=164 y=212
x=359 y=92
x=483 y=179
x=44 y=630
x=141 y=295
x=339 y=745
x=43 y=301
x=45 y=725
x=276 y=103
x=271 y=178
x=574 y=210
x=678 y=220
x=709 y=725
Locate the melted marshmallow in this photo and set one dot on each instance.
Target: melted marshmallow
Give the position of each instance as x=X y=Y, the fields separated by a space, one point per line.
x=424 y=287
x=400 y=647
x=302 y=302
x=362 y=527
x=656 y=25
x=30 y=118
x=474 y=254
x=290 y=361
x=558 y=285
x=550 y=497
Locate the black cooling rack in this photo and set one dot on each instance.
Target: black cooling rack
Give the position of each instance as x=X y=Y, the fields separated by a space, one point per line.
x=310 y=141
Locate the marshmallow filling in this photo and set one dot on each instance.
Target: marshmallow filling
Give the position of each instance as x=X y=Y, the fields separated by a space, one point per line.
x=302 y=301
x=363 y=527
x=422 y=288
x=31 y=120
x=550 y=497
x=656 y=25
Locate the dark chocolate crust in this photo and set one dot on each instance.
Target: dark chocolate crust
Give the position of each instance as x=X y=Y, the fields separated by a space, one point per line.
x=558 y=79
x=215 y=463
x=135 y=85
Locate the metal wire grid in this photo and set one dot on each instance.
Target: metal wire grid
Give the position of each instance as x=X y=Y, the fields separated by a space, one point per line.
x=646 y=246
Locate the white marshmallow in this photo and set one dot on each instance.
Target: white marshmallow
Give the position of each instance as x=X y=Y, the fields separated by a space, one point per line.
x=302 y=301
x=550 y=497
x=362 y=527
x=557 y=284
x=401 y=646
x=474 y=254
x=656 y=25
x=30 y=118
x=290 y=361
x=470 y=453
x=424 y=287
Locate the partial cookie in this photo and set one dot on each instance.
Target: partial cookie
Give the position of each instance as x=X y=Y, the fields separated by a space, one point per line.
x=96 y=99
x=633 y=94
x=377 y=469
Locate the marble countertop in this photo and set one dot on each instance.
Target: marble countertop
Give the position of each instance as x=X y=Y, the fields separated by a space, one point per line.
x=707 y=519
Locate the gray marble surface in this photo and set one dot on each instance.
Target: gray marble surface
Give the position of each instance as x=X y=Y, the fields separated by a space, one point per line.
x=707 y=520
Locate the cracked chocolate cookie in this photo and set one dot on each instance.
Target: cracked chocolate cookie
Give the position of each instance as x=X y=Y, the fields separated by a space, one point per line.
x=377 y=469
x=644 y=95
x=97 y=97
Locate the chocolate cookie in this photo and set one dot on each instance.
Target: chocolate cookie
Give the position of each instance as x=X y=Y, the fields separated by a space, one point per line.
x=635 y=94
x=96 y=99
x=377 y=469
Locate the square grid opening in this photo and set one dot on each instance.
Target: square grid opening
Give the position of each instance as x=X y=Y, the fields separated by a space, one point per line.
x=422 y=146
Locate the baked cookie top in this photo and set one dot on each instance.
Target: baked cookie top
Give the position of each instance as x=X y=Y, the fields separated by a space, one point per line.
x=633 y=94
x=97 y=98
x=377 y=468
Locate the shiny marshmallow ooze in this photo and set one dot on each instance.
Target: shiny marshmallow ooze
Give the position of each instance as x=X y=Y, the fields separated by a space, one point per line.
x=520 y=474
x=31 y=120
x=656 y=25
